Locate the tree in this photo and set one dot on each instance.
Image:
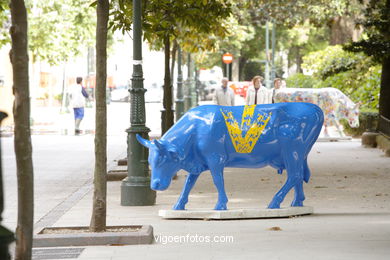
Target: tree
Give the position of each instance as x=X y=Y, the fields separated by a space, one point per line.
x=166 y=20
x=22 y=142
x=58 y=29
x=337 y=15
x=376 y=43
x=98 y=219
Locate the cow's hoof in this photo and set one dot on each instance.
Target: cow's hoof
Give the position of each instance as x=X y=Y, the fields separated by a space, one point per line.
x=220 y=207
x=179 y=207
x=297 y=204
x=274 y=206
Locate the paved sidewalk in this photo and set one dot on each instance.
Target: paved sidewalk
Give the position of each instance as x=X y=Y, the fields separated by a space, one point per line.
x=349 y=190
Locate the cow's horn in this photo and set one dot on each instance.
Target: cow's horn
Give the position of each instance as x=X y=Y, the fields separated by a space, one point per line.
x=143 y=141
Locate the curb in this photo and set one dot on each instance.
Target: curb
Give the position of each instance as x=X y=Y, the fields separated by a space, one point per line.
x=142 y=235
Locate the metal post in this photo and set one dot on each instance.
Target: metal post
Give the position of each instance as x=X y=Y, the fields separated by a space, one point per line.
x=6 y=236
x=135 y=189
x=196 y=87
x=266 y=76
x=179 y=93
x=273 y=70
x=227 y=72
x=187 y=97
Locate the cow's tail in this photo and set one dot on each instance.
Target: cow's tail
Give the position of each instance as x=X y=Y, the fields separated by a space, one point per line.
x=306 y=171
x=311 y=137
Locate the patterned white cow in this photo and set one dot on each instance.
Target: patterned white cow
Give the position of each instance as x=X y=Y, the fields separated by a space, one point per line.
x=334 y=103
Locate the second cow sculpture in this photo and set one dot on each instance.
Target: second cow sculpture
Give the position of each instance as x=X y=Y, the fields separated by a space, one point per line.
x=213 y=137
x=334 y=103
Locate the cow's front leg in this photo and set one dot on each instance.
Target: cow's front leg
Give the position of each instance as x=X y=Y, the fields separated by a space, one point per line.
x=217 y=175
x=189 y=184
x=326 y=132
x=337 y=124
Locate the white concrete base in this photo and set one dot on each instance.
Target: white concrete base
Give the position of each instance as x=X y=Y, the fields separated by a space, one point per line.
x=235 y=213
x=333 y=138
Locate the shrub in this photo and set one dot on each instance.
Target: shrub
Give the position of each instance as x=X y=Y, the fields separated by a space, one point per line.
x=300 y=80
x=330 y=61
x=360 y=86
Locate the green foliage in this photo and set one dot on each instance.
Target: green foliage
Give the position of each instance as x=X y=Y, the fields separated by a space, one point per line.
x=355 y=74
x=290 y=13
x=359 y=85
x=330 y=61
x=60 y=29
x=376 y=41
x=300 y=80
x=176 y=19
x=250 y=70
x=5 y=22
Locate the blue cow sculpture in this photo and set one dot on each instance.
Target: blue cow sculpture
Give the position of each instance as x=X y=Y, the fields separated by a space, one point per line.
x=213 y=137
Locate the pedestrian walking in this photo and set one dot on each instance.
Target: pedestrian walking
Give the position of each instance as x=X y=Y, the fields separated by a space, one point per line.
x=257 y=94
x=277 y=86
x=77 y=96
x=224 y=96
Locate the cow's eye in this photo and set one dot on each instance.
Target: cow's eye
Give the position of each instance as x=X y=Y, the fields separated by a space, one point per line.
x=161 y=159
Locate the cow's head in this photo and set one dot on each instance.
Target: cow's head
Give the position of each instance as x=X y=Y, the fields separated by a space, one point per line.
x=353 y=116
x=163 y=160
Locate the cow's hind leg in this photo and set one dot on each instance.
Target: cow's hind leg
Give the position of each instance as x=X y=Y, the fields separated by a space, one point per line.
x=281 y=194
x=299 y=196
x=189 y=184
x=294 y=169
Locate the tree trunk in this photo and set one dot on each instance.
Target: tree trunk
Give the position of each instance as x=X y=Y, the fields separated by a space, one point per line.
x=241 y=67
x=174 y=51
x=342 y=30
x=98 y=219
x=167 y=119
x=384 y=97
x=22 y=141
x=298 y=59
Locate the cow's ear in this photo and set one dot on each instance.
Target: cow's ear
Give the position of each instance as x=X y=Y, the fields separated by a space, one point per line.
x=159 y=145
x=172 y=154
x=143 y=141
x=175 y=154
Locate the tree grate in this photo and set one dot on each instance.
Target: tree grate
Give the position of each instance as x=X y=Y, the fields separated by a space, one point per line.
x=56 y=253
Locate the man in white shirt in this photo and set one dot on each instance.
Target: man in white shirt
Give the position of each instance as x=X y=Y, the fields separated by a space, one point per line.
x=224 y=96
x=77 y=101
x=258 y=94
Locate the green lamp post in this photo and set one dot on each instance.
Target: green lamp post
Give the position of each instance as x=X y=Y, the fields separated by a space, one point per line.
x=6 y=236
x=273 y=70
x=197 y=86
x=188 y=92
x=179 y=92
x=135 y=189
x=267 y=58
